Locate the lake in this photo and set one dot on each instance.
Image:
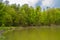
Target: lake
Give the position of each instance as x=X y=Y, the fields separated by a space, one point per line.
x=33 y=34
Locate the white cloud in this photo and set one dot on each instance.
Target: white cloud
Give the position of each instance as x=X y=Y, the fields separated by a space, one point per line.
x=46 y=3
x=21 y=2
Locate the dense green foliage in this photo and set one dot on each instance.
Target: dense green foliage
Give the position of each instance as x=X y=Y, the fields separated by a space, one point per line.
x=16 y=15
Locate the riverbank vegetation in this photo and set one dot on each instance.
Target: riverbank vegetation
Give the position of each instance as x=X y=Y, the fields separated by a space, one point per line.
x=16 y=15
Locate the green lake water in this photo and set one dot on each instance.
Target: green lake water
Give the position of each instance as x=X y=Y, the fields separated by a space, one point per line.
x=34 y=34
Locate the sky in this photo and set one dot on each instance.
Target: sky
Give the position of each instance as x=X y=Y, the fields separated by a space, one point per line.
x=34 y=3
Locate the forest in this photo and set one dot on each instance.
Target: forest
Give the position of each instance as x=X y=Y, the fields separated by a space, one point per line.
x=25 y=15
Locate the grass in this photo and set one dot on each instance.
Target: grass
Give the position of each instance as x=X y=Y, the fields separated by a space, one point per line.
x=33 y=34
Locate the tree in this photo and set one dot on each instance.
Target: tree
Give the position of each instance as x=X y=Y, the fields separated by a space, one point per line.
x=6 y=2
